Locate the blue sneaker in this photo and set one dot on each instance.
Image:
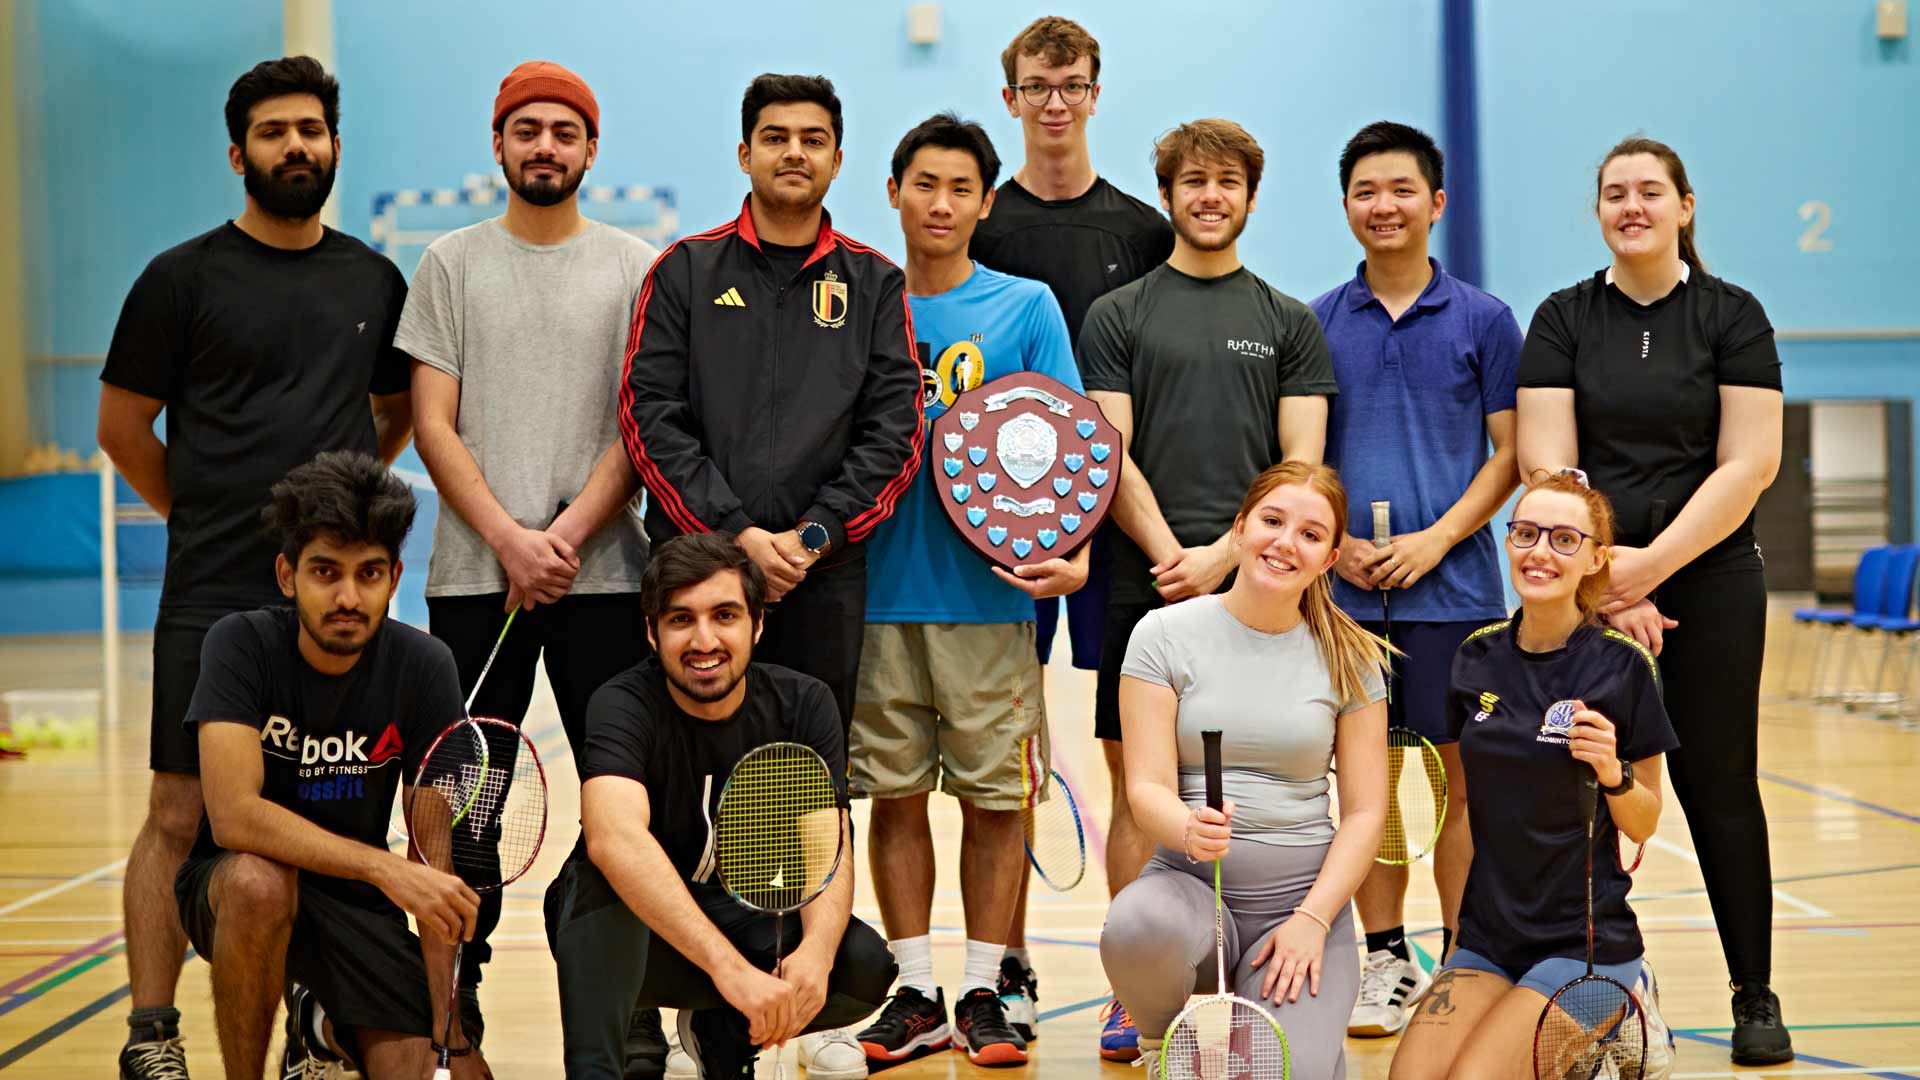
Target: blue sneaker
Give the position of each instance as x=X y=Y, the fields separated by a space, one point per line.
x=1119 y=1039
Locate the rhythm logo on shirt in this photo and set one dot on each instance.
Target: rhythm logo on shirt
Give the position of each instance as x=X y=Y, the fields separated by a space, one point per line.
x=1558 y=727
x=1488 y=699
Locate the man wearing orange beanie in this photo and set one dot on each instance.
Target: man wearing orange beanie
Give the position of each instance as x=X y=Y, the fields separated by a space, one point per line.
x=516 y=327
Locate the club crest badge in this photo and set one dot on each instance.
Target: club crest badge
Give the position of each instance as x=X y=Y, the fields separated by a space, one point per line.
x=1557 y=726
x=830 y=302
x=1013 y=429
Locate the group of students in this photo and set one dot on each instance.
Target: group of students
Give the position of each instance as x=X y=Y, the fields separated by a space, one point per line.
x=770 y=384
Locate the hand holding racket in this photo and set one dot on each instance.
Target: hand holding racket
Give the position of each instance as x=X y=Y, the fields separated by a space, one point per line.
x=1595 y=741
x=1225 y=1036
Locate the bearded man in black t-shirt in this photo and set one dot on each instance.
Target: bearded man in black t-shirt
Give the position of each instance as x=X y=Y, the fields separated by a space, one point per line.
x=638 y=917
x=308 y=718
x=265 y=342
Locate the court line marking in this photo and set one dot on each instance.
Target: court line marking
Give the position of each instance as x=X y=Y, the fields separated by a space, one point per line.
x=1888 y=1072
x=7 y=989
x=1810 y=910
x=63 y=1025
x=1837 y=795
x=1848 y=1070
x=1827 y=875
x=71 y=883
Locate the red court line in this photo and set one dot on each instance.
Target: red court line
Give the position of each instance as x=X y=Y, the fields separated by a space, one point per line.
x=37 y=974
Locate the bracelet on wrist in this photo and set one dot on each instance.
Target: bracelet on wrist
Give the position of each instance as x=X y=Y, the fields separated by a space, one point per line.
x=452 y=1051
x=1324 y=924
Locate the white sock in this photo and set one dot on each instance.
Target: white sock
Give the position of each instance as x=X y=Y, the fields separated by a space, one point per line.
x=1150 y=1046
x=915 y=957
x=983 y=966
x=1020 y=954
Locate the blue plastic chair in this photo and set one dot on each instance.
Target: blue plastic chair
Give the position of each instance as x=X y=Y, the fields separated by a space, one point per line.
x=1891 y=607
x=1869 y=583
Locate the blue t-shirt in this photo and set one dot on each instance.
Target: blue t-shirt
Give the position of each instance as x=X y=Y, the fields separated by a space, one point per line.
x=1409 y=426
x=992 y=325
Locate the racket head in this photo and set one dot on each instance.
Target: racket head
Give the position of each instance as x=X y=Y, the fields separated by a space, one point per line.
x=1225 y=1037
x=1593 y=1026
x=1417 y=807
x=1620 y=853
x=1056 y=839
x=778 y=833
x=478 y=805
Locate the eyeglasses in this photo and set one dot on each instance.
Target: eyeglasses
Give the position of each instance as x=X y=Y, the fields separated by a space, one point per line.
x=1564 y=539
x=1037 y=94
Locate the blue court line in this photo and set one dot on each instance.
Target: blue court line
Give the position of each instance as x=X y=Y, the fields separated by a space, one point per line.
x=1896 y=867
x=62 y=1026
x=1810 y=1059
x=1078 y=1006
x=1840 y=796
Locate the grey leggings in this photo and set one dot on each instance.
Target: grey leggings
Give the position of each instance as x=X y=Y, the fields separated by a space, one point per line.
x=1157 y=946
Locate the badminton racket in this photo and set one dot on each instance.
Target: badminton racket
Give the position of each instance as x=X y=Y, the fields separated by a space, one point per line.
x=1225 y=1036
x=478 y=810
x=1592 y=1026
x=1417 y=782
x=1050 y=821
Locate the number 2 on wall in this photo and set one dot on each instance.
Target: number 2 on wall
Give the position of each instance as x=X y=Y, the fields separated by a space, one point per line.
x=1814 y=239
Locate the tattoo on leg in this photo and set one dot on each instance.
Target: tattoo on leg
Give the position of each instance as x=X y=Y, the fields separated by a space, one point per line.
x=1439 y=1000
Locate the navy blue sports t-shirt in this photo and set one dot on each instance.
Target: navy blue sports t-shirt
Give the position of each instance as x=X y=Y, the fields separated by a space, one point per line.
x=1526 y=897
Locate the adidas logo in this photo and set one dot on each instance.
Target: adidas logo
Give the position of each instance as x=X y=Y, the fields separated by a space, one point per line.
x=730 y=298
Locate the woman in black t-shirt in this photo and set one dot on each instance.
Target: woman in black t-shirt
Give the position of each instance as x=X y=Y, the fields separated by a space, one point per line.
x=1544 y=704
x=1663 y=384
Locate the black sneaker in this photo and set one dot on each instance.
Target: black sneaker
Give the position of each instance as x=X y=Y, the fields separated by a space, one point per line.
x=1019 y=991
x=154 y=1059
x=646 y=1046
x=981 y=1022
x=1759 y=1034
x=718 y=1042
x=909 y=1026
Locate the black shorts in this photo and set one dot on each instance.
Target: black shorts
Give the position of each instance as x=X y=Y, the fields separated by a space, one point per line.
x=1086 y=609
x=173 y=747
x=363 y=964
x=1122 y=617
x=1421 y=677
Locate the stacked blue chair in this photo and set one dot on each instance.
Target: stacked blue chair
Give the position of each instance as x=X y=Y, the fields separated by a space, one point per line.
x=1828 y=624
x=1897 y=623
x=1893 y=608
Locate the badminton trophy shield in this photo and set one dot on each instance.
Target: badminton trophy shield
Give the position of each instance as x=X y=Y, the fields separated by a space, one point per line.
x=1027 y=468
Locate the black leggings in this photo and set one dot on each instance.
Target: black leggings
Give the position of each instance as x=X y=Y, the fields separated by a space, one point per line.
x=1710 y=668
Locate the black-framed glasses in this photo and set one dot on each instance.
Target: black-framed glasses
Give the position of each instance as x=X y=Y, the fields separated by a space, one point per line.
x=1564 y=539
x=1037 y=94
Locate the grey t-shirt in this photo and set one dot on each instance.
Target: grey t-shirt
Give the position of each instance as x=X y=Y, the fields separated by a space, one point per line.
x=1272 y=698
x=536 y=334
x=1206 y=362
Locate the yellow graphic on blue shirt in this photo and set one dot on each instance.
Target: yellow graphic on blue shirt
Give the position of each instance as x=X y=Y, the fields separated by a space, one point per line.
x=962 y=367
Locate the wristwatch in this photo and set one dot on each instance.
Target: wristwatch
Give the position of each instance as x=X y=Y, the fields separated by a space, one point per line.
x=1626 y=780
x=814 y=537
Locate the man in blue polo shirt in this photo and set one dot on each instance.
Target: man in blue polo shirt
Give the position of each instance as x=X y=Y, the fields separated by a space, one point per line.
x=1426 y=365
x=949 y=688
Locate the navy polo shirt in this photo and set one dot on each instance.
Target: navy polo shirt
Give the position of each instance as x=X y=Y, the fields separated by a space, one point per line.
x=1409 y=426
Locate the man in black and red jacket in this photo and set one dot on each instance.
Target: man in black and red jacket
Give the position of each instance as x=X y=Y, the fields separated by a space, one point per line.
x=772 y=387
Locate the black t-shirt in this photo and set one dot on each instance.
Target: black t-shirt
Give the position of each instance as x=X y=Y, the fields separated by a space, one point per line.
x=1082 y=248
x=1526 y=896
x=786 y=259
x=335 y=747
x=1646 y=382
x=264 y=358
x=635 y=730
x=1206 y=362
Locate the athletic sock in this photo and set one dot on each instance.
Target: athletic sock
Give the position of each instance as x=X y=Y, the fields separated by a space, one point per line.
x=983 y=966
x=1446 y=943
x=1020 y=953
x=1150 y=1046
x=1393 y=940
x=915 y=957
x=153 y=1024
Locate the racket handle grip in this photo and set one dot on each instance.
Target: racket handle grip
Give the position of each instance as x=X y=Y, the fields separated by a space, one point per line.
x=443 y=1074
x=1210 y=740
x=1382 y=523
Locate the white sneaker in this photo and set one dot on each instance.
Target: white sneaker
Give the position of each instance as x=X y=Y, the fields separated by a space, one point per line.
x=1149 y=1060
x=680 y=1064
x=833 y=1055
x=1389 y=989
x=1660 y=1052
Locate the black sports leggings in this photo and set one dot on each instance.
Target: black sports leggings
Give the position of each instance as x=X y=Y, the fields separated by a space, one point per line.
x=1710 y=668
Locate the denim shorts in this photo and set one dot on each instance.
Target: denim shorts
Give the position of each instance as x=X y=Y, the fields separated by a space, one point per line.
x=1546 y=976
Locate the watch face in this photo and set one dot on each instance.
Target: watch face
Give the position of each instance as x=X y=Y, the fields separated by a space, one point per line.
x=814 y=536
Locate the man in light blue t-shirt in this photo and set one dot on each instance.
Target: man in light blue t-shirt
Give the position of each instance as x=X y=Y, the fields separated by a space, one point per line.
x=949 y=688
x=1426 y=365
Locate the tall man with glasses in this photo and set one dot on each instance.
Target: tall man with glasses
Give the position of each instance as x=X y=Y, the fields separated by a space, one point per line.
x=1057 y=221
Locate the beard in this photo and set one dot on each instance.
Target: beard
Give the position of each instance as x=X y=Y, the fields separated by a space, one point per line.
x=544 y=191
x=1236 y=226
x=712 y=691
x=284 y=194
x=329 y=640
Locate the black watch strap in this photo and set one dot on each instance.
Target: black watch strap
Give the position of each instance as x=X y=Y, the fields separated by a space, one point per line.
x=1626 y=780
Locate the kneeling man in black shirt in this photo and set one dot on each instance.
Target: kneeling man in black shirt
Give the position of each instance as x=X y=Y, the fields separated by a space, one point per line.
x=308 y=719
x=638 y=917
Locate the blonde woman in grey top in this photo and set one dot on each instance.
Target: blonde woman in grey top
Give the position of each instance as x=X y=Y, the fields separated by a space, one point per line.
x=1295 y=686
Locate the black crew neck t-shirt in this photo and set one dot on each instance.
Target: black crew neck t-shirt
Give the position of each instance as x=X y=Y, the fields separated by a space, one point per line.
x=635 y=730
x=1206 y=362
x=1526 y=895
x=264 y=358
x=1646 y=381
x=335 y=748
x=1081 y=248
x=786 y=259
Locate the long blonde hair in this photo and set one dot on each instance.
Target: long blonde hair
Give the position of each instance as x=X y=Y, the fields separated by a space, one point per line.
x=1345 y=647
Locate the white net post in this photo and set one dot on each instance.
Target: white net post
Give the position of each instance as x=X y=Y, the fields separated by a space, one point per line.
x=109 y=594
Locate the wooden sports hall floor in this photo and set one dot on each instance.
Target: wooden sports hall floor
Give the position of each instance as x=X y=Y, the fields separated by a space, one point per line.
x=1839 y=788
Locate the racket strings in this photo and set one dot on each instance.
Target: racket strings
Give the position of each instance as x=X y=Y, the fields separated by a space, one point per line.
x=1592 y=1023
x=777 y=835
x=1224 y=1038
x=479 y=810
x=1055 y=839
x=1417 y=780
